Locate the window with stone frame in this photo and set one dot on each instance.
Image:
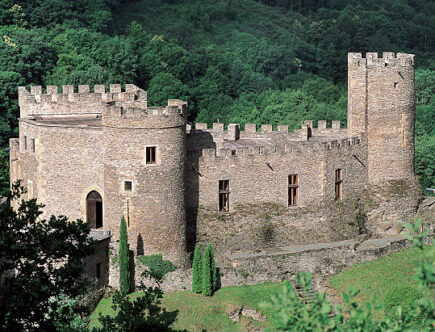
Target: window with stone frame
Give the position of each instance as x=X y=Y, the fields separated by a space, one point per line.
x=224 y=195
x=151 y=154
x=293 y=188
x=338 y=184
x=32 y=144
x=25 y=143
x=128 y=186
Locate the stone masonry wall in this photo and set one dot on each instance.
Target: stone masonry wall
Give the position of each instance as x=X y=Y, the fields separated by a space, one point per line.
x=70 y=166
x=101 y=257
x=259 y=216
x=154 y=207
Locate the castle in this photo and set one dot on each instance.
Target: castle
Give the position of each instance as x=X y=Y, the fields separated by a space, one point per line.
x=102 y=155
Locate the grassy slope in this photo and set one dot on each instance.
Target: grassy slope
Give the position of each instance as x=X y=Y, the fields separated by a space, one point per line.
x=382 y=277
x=375 y=278
x=198 y=313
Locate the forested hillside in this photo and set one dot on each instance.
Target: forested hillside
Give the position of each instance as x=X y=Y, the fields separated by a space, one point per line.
x=241 y=61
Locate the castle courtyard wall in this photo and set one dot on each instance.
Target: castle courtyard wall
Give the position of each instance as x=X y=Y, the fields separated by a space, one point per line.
x=259 y=215
x=69 y=165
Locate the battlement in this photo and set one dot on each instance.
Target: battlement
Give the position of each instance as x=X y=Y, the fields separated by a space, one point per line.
x=70 y=101
x=212 y=155
x=388 y=59
x=234 y=131
x=122 y=116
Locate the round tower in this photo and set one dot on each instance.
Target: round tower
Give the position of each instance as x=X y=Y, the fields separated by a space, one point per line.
x=382 y=106
x=144 y=177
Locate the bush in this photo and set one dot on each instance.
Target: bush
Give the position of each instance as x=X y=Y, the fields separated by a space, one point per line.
x=197 y=271
x=158 y=267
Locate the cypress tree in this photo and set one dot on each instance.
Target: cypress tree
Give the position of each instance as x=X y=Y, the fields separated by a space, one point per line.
x=197 y=271
x=213 y=268
x=124 y=259
x=208 y=271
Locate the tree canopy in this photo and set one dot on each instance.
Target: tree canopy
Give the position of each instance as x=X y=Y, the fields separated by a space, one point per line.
x=258 y=61
x=39 y=259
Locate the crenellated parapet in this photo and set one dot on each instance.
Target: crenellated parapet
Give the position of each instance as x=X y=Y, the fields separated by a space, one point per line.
x=70 y=101
x=120 y=116
x=240 y=154
x=235 y=131
x=388 y=59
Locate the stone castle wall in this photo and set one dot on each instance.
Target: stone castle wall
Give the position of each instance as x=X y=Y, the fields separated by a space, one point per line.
x=65 y=166
x=382 y=104
x=97 y=140
x=154 y=208
x=258 y=178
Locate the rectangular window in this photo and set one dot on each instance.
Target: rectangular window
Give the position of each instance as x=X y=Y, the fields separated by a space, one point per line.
x=293 y=187
x=224 y=195
x=150 y=154
x=128 y=186
x=98 y=271
x=32 y=144
x=338 y=184
x=25 y=142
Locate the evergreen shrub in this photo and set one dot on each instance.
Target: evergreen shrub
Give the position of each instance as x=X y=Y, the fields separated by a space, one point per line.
x=197 y=271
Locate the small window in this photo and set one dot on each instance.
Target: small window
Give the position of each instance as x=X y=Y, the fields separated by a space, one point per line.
x=150 y=154
x=25 y=143
x=32 y=144
x=98 y=271
x=338 y=185
x=128 y=186
x=293 y=187
x=224 y=195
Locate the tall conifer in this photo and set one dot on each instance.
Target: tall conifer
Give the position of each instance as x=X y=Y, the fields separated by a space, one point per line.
x=213 y=267
x=208 y=271
x=124 y=259
x=197 y=271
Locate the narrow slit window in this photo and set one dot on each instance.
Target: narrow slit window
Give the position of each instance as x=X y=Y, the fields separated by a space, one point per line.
x=338 y=185
x=150 y=154
x=98 y=271
x=128 y=213
x=293 y=188
x=224 y=195
x=25 y=142
x=128 y=186
x=32 y=144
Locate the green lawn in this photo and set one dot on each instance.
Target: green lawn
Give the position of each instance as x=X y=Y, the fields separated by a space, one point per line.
x=390 y=279
x=198 y=313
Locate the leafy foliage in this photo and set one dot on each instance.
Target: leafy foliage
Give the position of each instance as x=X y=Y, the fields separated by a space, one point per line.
x=39 y=259
x=66 y=314
x=292 y=314
x=143 y=313
x=243 y=61
x=197 y=271
x=157 y=266
x=209 y=277
x=124 y=259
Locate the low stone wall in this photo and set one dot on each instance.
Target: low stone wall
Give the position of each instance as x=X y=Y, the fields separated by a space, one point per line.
x=323 y=260
x=254 y=227
x=280 y=263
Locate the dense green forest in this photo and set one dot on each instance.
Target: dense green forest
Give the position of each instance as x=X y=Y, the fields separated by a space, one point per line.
x=264 y=61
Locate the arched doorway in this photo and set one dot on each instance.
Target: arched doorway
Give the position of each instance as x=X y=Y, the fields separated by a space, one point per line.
x=94 y=210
